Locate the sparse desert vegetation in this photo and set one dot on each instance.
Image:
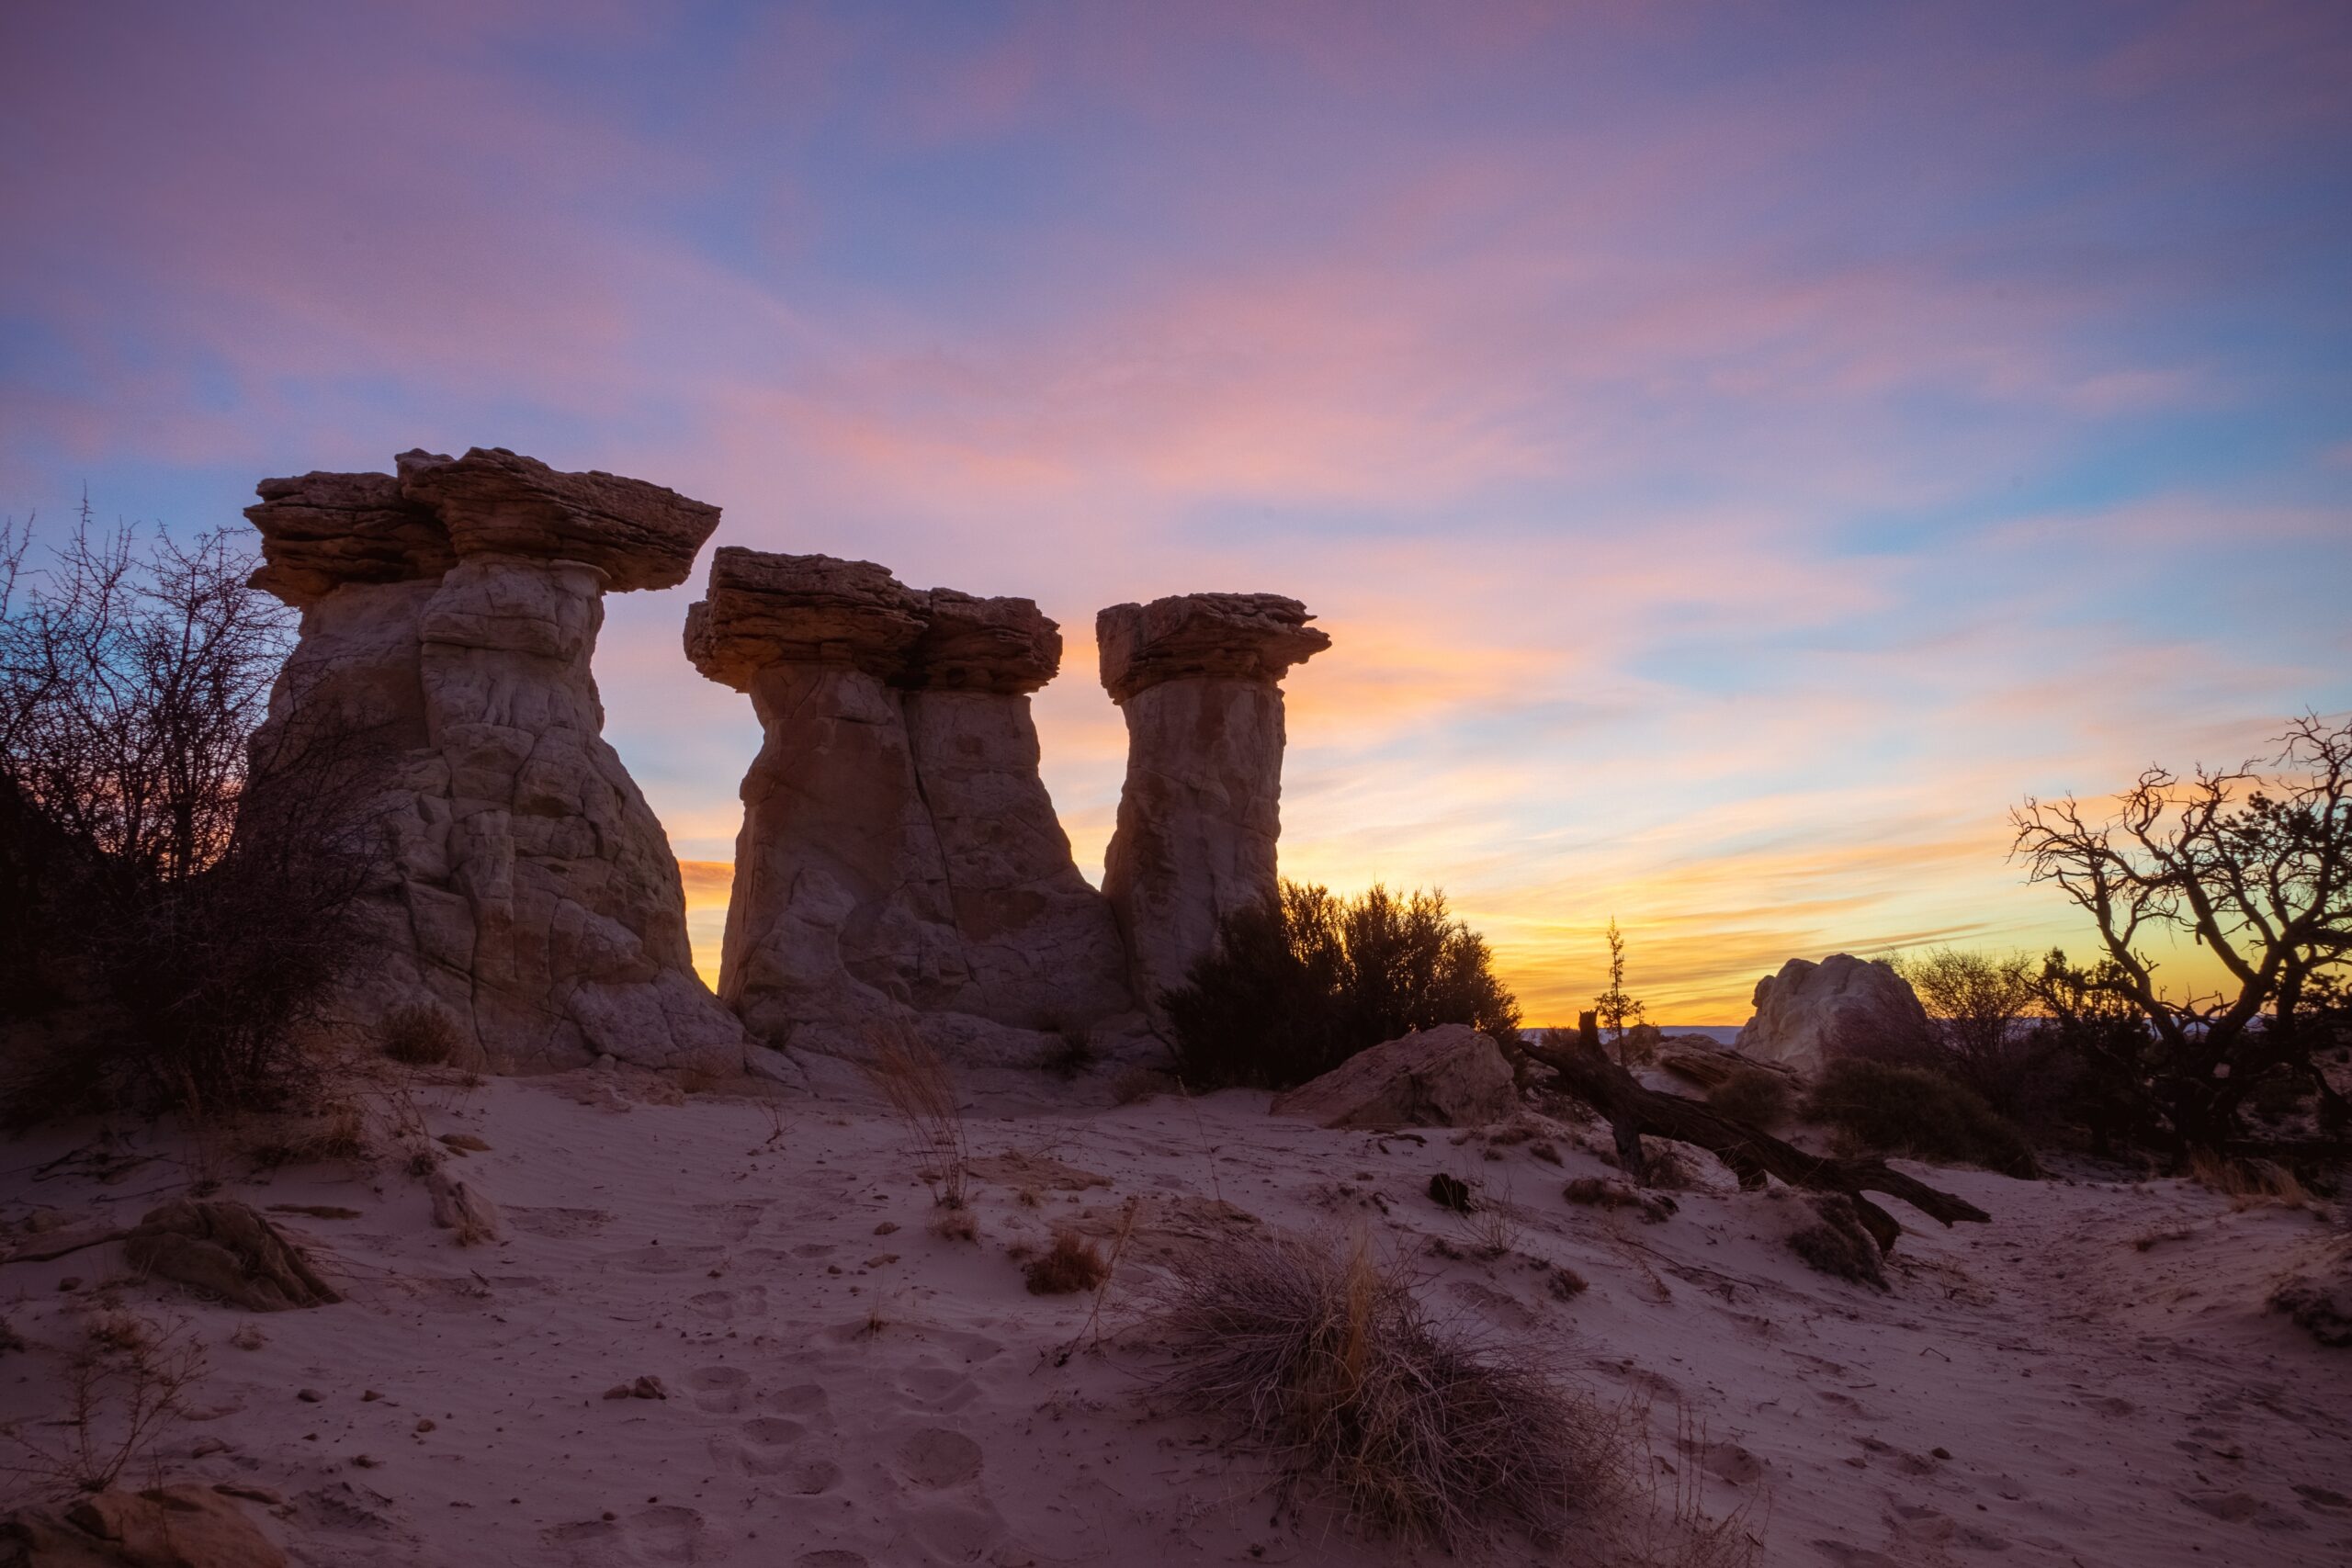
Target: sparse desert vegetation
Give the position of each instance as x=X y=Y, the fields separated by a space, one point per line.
x=1325 y=1355
x=1920 y=1112
x=543 y=1020
x=1297 y=984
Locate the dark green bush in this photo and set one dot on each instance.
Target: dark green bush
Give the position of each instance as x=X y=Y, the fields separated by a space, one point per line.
x=1913 y=1111
x=1757 y=1096
x=1299 y=985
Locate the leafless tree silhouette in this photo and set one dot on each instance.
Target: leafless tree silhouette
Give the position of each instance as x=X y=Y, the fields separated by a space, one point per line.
x=2255 y=866
x=171 y=927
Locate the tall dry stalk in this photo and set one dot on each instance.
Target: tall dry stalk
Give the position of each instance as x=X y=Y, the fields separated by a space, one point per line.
x=918 y=1087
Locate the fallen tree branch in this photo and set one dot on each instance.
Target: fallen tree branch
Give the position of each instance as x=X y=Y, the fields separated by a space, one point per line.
x=64 y=1251
x=1585 y=1072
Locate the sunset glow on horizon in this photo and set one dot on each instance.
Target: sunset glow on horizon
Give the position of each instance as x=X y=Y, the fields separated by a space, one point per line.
x=1738 y=452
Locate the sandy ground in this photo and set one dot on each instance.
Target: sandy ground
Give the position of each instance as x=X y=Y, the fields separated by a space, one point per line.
x=846 y=1387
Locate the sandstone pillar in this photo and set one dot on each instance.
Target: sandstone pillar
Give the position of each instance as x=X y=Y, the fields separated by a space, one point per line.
x=900 y=858
x=448 y=616
x=1197 y=677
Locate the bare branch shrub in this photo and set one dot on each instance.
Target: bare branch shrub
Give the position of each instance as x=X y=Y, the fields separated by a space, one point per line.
x=170 y=925
x=1327 y=1358
x=125 y=1386
x=919 y=1088
x=2256 y=867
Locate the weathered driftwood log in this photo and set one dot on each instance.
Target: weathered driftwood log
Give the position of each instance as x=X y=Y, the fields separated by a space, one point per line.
x=1713 y=1068
x=1585 y=1071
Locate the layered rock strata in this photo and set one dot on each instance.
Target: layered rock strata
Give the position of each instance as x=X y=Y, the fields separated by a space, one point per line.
x=449 y=611
x=1198 y=677
x=899 y=860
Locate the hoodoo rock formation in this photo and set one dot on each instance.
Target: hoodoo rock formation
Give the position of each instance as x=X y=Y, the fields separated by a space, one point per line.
x=448 y=615
x=1198 y=677
x=900 y=858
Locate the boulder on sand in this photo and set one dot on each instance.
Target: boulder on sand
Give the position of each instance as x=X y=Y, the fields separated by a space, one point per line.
x=1842 y=1006
x=1450 y=1076
x=183 y=1525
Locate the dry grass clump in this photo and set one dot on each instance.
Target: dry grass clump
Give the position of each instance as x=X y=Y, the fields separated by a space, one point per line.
x=1072 y=1264
x=1131 y=1084
x=1070 y=1057
x=337 y=1130
x=1837 y=1245
x=419 y=1034
x=1668 y=1525
x=2248 y=1183
x=1754 y=1095
x=1327 y=1358
x=699 y=1078
x=917 y=1084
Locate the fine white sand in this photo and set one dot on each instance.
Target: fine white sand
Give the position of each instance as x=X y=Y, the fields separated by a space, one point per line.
x=2041 y=1390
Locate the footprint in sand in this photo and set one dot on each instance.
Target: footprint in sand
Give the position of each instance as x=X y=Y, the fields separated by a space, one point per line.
x=1734 y=1463
x=810 y=1477
x=764 y=1446
x=721 y=1391
x=667 y=1259
x=939 y=1388
x=727 y=1305
x=805 y=1400
x=557 y=1222
x=650 y=1538
x=736 y=1222
x=937 y=1456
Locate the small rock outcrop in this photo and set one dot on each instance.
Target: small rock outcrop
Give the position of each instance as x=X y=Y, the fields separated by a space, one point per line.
x=183 y=1525
x=1198 y=677
x=1450 y=1076
x=900 y=858
x=226 y=1250
x=449 y=611
x=1842 y=1006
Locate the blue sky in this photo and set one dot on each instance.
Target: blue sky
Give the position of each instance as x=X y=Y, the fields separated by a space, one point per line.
x=1738 y=450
